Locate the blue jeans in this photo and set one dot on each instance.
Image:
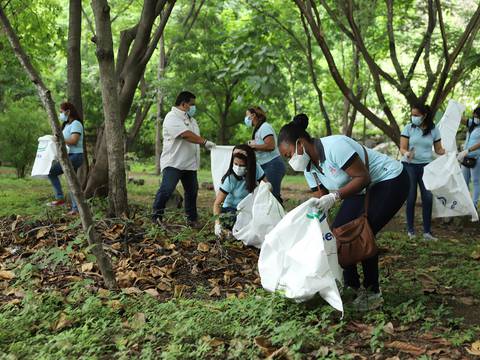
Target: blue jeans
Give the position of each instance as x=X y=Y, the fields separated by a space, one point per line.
x=56 y=170
x=474 y=174
x=275 y=171
x=415 y=174
x=170 y=178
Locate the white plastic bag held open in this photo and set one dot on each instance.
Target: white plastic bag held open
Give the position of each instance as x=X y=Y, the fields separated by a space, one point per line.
x=258 y=213
x=299 y=257
x=46 y=154
x=220 y=157
x=443 y=176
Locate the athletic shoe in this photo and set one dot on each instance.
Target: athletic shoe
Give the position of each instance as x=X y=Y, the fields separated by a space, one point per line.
x=429 y=237
x=368 y=300
x=59 y=202
x=72 y=212
x=349 y=294
x=411 y=235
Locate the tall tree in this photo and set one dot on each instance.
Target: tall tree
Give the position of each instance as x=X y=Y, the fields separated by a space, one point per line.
x=451 y=64
x=136 y=47
x=44 y=94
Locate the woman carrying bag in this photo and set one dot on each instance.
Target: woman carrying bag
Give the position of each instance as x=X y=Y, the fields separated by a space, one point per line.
x=471 y=153
x=338 y=169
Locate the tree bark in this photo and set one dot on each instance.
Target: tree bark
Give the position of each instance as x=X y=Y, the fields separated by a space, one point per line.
x=74 y=75
x=103 y=261
x=160 y=99
x=114 y=127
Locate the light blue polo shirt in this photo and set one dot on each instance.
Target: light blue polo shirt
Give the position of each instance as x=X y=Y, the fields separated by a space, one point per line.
x=263 y=131
x=74 y=127
x=473 y=138
x=237 y=188
x=421 y=144
x=337 y=151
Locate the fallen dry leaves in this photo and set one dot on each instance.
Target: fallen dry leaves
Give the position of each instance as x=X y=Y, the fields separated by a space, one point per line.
x=474 y=349
x=6 y=275
x=406 y=347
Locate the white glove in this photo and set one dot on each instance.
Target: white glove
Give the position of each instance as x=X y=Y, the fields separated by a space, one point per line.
x=209 y=145
x=409 y=155
x=325 y=203
x=461 y=155
x=251 y=143
x=218 y=230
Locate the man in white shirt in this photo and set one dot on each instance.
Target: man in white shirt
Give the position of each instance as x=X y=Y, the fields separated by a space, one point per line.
x=180 y=158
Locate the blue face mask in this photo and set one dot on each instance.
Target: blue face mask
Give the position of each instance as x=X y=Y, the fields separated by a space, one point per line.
x=63 y=117
x=192 y=110
x=248 y=121
x=417 y=120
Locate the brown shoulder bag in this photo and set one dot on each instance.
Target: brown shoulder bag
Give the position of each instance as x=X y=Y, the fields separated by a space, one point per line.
x=355 y=239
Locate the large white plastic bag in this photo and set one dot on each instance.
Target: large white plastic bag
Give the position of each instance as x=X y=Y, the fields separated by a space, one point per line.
x=299 y=257
x=220 y=157
x=444 y=178
x=258 y=213
x=46 y=154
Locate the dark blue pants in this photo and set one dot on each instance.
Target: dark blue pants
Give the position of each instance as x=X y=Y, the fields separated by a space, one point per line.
x=415 y=174
x=275 y=171
x=386 y=198
x=170 y=178
x=56 y=170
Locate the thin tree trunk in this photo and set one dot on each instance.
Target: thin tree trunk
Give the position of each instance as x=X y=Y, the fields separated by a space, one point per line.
x=74 y=75
x=114 y=128
x=94 y=240
x=160 y=100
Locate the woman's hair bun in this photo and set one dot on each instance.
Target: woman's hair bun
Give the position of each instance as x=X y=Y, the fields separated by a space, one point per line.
x=301 y=120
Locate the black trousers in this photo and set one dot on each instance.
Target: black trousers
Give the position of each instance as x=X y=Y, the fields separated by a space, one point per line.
x=386 y=198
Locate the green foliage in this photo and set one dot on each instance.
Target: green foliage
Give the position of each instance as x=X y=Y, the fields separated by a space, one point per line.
x=20 y=126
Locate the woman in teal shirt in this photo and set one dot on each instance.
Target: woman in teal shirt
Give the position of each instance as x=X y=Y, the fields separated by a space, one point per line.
x=416 y=142
x=335 y=170
x=72 y=128
x=471 y=150
x=264 y=142
x=241 y=179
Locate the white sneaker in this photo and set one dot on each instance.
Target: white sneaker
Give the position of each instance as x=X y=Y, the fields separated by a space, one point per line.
x=429 y=237
x=368 y=300
x=411 y=235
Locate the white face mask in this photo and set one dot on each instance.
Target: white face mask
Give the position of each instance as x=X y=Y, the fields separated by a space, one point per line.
x=239 y=170
x=299 y=162
x=476 y=121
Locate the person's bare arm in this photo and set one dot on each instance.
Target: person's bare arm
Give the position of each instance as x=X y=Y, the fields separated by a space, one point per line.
x=217 y=205
x=360 y=178
x=437 y=145
x=268 y=146
x=192 y=137
x=474 y=147
x=73 y=139
x=404 y=143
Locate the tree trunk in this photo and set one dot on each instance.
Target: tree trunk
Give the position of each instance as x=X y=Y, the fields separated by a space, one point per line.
x=160 y=99
x=74 y=75
x=114 y=128
x=103 y=261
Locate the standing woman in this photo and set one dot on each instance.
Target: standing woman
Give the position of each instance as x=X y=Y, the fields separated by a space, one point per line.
x=470 y=155
x=264 y=142
x=72 y=128
x=241 y=179
x=335 y=170
x=416 y=142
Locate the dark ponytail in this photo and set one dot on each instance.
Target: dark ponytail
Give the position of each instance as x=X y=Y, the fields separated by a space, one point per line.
x=294 y=130
x=427 y=114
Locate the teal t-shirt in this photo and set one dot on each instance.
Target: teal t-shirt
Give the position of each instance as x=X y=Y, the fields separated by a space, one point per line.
x=421 y=144
x=264 y=131
x=473 y=138
x=74 y=127
x=338 y=150
x=236 y=188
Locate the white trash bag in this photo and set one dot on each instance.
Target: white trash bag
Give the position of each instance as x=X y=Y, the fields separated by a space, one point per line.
x=46 y=154
x=220 y=157
x=299 y=258
x=258 y=213
x=443 y=176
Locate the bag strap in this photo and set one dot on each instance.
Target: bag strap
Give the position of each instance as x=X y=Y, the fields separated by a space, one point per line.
x=367 y=192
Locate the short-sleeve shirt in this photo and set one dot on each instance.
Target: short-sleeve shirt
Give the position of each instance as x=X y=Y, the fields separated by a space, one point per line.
x=420 y=143
x=75 y=127
x=236 y=188
x=473 y=138
x=177 y=152
x=263 y=132
x=336 y=152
